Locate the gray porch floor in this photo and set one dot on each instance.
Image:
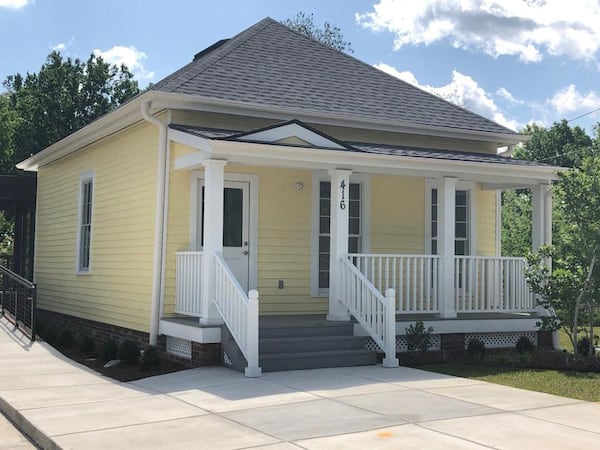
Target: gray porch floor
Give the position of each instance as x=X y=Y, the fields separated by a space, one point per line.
x=320 y=319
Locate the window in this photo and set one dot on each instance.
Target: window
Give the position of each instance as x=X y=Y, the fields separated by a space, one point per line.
x=355 y=232
x=86 y=196
x=462 y=231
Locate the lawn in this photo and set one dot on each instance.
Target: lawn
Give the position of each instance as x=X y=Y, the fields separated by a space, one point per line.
x=578 y=385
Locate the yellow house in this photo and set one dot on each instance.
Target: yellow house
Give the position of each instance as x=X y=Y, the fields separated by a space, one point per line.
x=275 y=183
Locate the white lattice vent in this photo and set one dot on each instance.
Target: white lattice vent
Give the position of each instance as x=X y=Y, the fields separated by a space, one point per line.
x=179 y=347
x=226 y=359
x=501 y=340
x=402 y=345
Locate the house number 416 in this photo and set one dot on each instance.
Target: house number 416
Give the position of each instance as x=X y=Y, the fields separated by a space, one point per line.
x=343 y=200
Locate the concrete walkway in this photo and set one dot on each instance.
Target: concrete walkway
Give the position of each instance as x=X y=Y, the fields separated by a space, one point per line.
x=60 y=404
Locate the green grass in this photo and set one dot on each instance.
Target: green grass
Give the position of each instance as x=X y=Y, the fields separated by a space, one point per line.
x=578 y=385
x=564 y=341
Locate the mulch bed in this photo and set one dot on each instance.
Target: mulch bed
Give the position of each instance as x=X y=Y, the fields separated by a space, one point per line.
x=121 y=372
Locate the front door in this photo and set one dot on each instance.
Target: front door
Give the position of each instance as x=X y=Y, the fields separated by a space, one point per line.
x=235 y=229
x=236 y=218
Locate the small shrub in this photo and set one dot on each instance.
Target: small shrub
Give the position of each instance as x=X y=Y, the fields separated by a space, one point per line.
x=417 y=337
x=49 y=335
x=65 y=338
x=524 y=345
x=151 y=358
x=583 y=346
x=110 y=350
x=87 y=344
x=476 y=348
x=129 y=352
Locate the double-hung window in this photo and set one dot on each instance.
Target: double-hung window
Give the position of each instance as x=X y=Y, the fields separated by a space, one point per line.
x=84 y=239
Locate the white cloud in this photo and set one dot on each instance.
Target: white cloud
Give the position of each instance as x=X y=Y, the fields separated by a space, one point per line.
x=59 y=47
x=529 y=29
x=130 y=56
x=463 y=91
x=14 y=4
x=569 y=101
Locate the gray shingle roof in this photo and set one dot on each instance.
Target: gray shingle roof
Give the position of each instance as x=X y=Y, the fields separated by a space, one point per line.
x=271 y=65
x=363 y=147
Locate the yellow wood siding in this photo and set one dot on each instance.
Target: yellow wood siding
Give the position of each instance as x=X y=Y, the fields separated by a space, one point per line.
x=397 y=215
x=486 y=222
x=118 y=288
x=242 y=123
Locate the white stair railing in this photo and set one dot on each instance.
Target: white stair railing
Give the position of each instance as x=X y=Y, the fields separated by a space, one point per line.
x=239 y=312
x=374 y=312
x=414 y=278
x=491 y=284
x=188 y=276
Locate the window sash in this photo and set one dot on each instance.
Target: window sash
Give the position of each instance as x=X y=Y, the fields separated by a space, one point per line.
x=462 y=223
x=85 y=225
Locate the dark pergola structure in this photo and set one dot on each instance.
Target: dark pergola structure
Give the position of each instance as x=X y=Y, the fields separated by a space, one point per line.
x=17 y=200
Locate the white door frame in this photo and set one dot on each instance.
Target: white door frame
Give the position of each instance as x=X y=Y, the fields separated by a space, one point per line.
x=198 y=177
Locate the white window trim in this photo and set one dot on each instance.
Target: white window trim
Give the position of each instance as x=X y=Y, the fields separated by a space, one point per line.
x=432 y=183
x=84 y=178
x=365 y=215
x=198 y=177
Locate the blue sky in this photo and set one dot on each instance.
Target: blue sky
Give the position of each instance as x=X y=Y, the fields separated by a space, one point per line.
x=514 y=61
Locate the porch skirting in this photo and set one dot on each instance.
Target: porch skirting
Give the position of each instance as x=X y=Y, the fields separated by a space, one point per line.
x=200 y=354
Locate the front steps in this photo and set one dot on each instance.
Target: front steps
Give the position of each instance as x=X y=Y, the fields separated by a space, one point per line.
x=302 y=342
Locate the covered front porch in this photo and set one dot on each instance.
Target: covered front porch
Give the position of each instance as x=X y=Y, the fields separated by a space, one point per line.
x=344 y=230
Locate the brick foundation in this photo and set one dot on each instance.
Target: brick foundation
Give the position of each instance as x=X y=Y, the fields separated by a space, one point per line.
x=545 y=340
x=202 y=354
x=453 y=343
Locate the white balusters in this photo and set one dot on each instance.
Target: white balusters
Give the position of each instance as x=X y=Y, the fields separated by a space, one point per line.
x=188 y=283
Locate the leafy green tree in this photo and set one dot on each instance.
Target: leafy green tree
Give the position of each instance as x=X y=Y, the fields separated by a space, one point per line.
x=7 y=128
x=571 y=289
x=64 y=96
x=559 y=145
x=328 y=34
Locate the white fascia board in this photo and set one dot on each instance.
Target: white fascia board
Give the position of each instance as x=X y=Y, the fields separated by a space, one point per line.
x=190 y=161
x=190 y=140
x=122 y=117
x=203 y=335
x=302 y=157
x=198 y=103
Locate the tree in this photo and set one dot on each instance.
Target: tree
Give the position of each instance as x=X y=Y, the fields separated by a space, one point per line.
x=559 y=145
x=7 y=128
x=64 y=96
x=329 y=34
x=571 y=288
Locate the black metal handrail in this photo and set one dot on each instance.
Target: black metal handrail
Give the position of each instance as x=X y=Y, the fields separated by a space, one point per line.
x=18 y=301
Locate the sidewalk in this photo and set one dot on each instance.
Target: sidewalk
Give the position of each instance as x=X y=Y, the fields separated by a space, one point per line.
x=60 y=404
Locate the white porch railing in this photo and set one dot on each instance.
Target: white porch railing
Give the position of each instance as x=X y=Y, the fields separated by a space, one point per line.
x=188 y=283
x=491 y=284
x=371 y=309
x=239 y=312
x=414 y=278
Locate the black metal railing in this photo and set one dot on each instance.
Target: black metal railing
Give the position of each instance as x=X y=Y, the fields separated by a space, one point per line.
x=18 y=301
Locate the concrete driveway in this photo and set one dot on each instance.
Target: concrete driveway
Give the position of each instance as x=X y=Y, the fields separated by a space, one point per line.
x=63 y=405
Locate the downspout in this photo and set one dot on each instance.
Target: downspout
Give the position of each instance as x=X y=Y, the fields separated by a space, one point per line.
x=159 y=221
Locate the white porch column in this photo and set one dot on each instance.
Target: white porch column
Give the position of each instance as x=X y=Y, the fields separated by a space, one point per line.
x=446 y=200
x=214 y=183
x=338 y=243
x=541 y=199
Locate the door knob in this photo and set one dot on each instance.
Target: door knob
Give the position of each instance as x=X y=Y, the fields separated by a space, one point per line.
x=245 y=252
x=245 y=243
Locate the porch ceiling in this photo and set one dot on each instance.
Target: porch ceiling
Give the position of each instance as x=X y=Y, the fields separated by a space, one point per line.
x=494 y=171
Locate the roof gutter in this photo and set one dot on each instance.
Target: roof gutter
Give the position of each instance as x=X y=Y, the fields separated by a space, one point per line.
x=160 y=221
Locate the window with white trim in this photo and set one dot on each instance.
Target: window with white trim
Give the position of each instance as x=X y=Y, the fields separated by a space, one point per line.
x=462 y=225
x=355 y=231
x=86 y=198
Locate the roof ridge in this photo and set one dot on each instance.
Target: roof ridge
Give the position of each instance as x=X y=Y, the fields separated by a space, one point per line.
x=225 y=49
